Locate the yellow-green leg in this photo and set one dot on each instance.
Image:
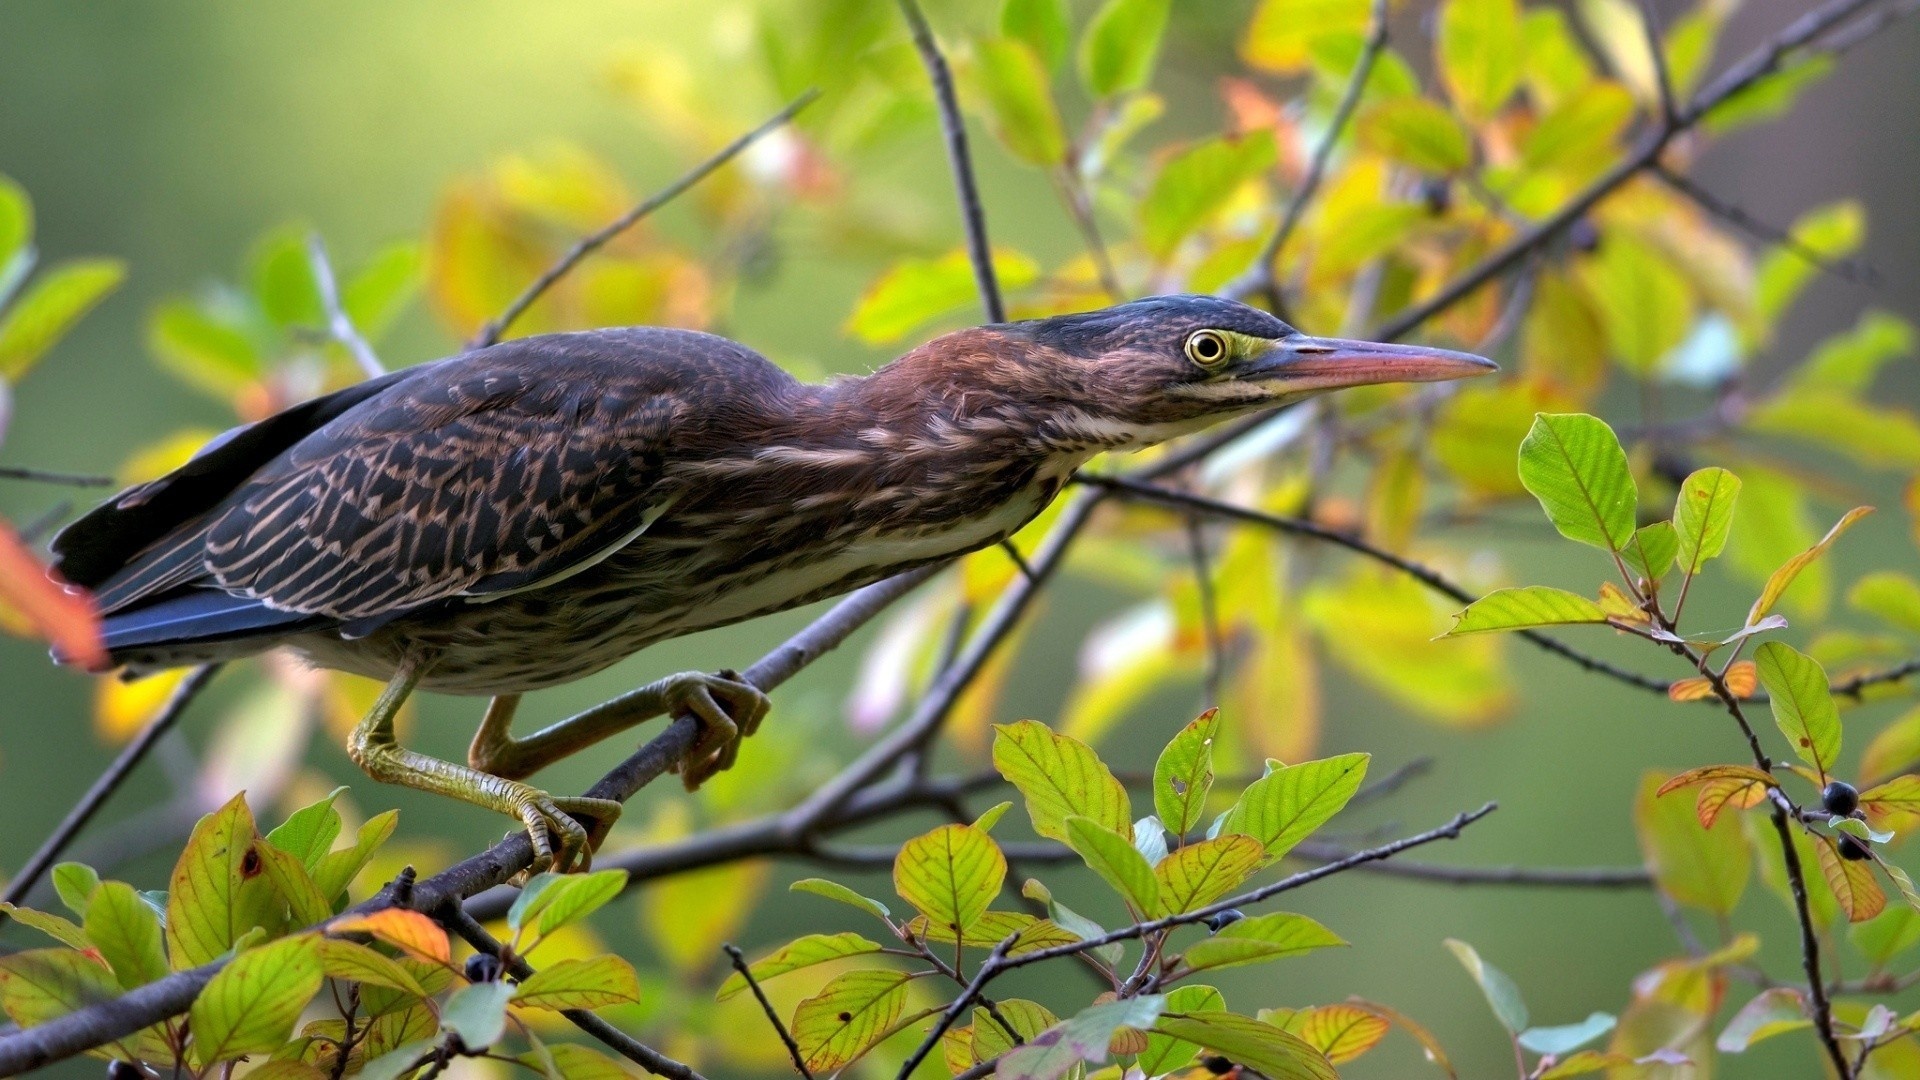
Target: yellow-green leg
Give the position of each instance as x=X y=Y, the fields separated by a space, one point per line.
x=548 y=819
x=728 y=710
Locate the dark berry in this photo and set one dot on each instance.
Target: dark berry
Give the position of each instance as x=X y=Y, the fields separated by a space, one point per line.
x=1437 y=194
x=1224 y=919
x=1216 y=1064
x=483 y=967
x=1582 y=235
x=1852 y=848
x=124 y=1070
x=1841 y=798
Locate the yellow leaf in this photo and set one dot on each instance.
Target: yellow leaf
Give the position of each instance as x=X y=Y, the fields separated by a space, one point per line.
x=1783 y=577
x=121 y=709
x=847 y=1017
x=950 y=874
x=1059 y=776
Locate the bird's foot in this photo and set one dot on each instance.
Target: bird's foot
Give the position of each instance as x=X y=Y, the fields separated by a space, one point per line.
x=728 y=709
x=560 y=842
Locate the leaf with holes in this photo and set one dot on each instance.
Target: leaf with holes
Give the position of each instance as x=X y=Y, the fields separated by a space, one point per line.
x=1183 y=775
x=1501 y=993
x=250 y=1006
x=950 y=874
x=1058 y=776
x=1802 y=705
x=1259 y=939
x=219 y=890
x=799 y=953
x=847 y=1017
x=591 y=983
x=1250 y=1043
x=1783 y=577
x=1199 y=874
x=1574 y=465
x=1118 y=863
x=1288 y=804
x=1703 y=516
x=1525 y=608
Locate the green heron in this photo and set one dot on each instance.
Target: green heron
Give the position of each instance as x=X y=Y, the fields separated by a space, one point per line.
x=528 y=513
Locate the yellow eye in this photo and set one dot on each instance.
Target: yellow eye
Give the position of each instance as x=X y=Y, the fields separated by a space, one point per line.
x=1208 y=348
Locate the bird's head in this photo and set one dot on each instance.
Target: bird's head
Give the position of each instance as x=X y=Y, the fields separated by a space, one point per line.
x=1165 y=365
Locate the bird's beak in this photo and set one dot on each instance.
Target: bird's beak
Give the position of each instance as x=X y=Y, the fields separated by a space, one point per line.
x=1301 y=363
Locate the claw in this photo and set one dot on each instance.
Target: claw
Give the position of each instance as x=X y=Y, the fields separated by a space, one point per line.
x=560 y=843
x=729 y=709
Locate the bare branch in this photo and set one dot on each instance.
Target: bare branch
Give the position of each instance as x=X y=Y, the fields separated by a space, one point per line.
x=786 y=1037
x=108 y=782
x=1209 y=611
x=953 y=126
x=490 y=333
x=1657 y=57
x=1854 y=270
x=453 y=918
x=338 y=324
x=1260 y=276
x=49 y=476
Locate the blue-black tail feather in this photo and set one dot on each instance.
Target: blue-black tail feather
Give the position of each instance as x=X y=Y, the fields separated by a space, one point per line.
x=195 y=615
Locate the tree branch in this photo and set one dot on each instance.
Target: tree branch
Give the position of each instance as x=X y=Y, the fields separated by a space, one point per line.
x=338 y=324
x=953 y=126
x=786 y=1037
x=490 y=333
x=108 y=782
x=48 y=476
x=1854 y=270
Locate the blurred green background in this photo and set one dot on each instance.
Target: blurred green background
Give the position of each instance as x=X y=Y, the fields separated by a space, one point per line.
x=171 y=134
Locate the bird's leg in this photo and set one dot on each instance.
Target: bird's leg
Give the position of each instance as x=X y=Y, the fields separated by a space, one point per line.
x=728 y=710
x=373 y=747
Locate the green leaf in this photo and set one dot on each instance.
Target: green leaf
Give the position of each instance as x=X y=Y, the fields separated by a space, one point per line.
x=1502 y=995
x=951 y=874
x=572 y=1061
x=1199 y=874
x=16 y=220
x=1417 y=132
x=592 y=983
x=1252 y=1043
x=1183 y=775
x=250 y=1005
x=1890 y=596
x=283 y=280
x=1651 y=552
x=1481 y=52
x=1027 y=1019
x=1833 y=231
x=1260 y=939
x=991 y=816
x=309 y=832
x=993 y=927
x=126 y=930
x=1887 y=935
x=1644 y=301
x=1802 y=705
x=374 y=298
x=563 y=899
x=60 y=929
x=1774 y=1011
x=38 y=985
x=75 y=883
x=1164 y=1053
x=219 y=889
x=1121 y=43
x=1045 y=25
x=1020 y=96
x=1285 y=34
x=337 y=869
x=914 y=292
x=1084 y=1037
x=1058 y=776
x=1783 y=577
x=799 y=953
x=295 y=885
x=1847 y=363
x=847 y=1017
x=1703 y=516
x=1073 y=922
x=1581 y=131
x=1117 y=862
x=209 y=353
x=1699 y=867
x=477 y=1012
x=1873 y=436
x=50 y=307
x=354 y=962
x=1194 y=184
x=1566 y=1038
x=1575 y=466
x=1521 y=608
x=833 y=890
x=1288 y=804
x=1768 y=97
x=396 y=1062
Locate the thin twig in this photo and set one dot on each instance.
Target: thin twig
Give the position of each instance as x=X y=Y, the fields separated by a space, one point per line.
x=1657 y=57
x=1261 y=275
x=958 y=1007
x=1425 y=575
x=1854 y=270
x=338 y=324
x=954 y=128
x=49 y=476
x=1209 y=612
x=753 y=984
x=108 y=782
x=453 y=918
x=490 y=333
